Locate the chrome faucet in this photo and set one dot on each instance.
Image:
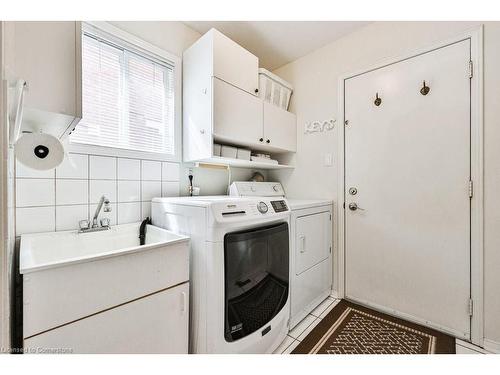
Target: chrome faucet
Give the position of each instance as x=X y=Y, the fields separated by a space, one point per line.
x=104 y=223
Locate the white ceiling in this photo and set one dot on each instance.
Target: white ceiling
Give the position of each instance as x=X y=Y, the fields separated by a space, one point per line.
x=277 y=43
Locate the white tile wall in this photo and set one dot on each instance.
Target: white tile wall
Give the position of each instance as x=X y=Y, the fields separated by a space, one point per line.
x=129 y=212
x=150 y=189
x=102 y=168
x=129 y=191
x=67 y=216
x=151 y=170
x=98 y=188
x=22 y=171
x=35 y=219
x=129 y=169
x=35 y=192
x=58 y=199
x=75 y=166
x=72 y=192
x=170 y=172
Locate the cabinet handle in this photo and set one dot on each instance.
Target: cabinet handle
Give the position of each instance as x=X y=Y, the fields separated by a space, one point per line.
x=262 y=139
x=184 y=302
x=268 y=141
x=302 y=240
x=256 y=91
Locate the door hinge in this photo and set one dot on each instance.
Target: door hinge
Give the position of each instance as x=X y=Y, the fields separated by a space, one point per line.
x=330 y=217
x=346 y=122
x=330 y=249
x=471 y=188
x=343 y=205
x=471 y=307
x=471 y=69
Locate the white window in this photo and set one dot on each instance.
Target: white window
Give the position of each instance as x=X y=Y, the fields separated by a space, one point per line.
x=128 y=97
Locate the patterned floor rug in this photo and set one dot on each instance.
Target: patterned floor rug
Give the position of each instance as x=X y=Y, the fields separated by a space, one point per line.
x=354 y=329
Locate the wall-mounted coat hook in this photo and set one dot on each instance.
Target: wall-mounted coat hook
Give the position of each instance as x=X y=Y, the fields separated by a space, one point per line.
x=377 y=101
x=425 y=89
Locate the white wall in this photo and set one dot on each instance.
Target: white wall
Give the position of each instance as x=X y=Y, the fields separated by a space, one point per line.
x=315 y=80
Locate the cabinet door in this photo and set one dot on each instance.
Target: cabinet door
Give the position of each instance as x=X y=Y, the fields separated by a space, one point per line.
x=47 y=55
x=312 y=240
x=237 y=115
x=234 y=64
x=280 y=128
x=154 y=324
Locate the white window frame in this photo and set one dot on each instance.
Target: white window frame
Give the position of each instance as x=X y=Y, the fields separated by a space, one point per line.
x=173 y=60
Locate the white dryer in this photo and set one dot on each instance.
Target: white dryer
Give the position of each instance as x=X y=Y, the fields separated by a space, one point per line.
x=239 y=269
x=311 y=246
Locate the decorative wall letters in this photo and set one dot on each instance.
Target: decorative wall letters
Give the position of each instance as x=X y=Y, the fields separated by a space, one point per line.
x=319 y=126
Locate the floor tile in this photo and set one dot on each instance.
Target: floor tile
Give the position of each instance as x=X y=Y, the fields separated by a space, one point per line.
x=284 y=345
x=291 y=347
x=322 y=307
x=302 y=326
x=308 y=329
x=325 y=313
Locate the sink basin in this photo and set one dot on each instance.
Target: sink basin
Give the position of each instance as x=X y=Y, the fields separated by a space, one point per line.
x=44 y=250
x=68 y=276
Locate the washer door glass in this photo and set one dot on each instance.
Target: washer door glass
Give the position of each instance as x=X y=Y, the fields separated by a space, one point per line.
x=256 y=276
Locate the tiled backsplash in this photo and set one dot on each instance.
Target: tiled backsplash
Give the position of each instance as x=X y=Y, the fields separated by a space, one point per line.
x=58 y=199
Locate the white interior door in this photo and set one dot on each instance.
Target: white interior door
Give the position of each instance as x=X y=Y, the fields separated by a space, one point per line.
x=407 y=246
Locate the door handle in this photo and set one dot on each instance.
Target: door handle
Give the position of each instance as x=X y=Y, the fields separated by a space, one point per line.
x=302 y=240
x=354 y=206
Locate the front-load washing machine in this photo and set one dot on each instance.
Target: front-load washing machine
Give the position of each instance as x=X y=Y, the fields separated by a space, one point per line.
x=239 y=269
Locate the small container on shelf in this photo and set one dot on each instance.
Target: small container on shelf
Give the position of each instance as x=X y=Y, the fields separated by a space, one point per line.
x=228 y=152
x=243 y=154
x=274 y=89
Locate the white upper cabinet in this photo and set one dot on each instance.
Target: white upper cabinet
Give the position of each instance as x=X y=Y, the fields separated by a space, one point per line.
x=237 y=116
x=280 y=128
x=233 y=64
x=221 y=103
x=47 y=55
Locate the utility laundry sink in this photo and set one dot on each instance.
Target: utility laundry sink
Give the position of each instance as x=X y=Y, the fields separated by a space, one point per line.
x=53 y=249
x=68 y=276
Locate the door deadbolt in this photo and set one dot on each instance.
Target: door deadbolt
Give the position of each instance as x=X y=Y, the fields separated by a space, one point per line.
x=353 y=191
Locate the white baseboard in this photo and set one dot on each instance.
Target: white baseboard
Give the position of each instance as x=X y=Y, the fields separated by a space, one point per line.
x=470 y=348
x=334 y=294
x=492 y=346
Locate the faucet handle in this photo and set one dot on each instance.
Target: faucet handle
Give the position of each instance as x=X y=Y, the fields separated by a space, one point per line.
x=84 y=224
x=105 y=222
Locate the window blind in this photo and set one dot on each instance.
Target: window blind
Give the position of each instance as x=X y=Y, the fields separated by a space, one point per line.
x=128 y=99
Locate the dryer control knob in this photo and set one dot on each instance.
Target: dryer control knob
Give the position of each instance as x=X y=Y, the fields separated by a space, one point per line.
x=276 y=188
x=262 y=207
